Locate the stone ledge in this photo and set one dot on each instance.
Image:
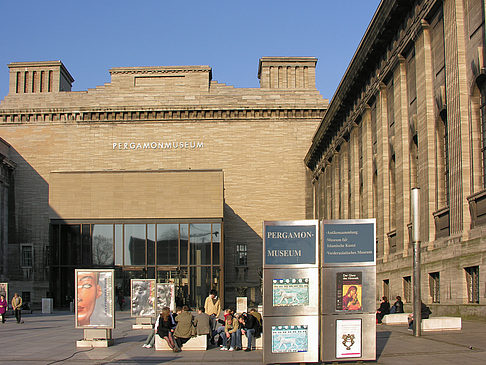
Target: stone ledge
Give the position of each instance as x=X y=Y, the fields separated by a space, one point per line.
x=195 y=343
x=442 y=324
x=396 y=318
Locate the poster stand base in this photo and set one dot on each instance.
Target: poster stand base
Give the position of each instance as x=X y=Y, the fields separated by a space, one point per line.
x=142 y=323
x=96 y=337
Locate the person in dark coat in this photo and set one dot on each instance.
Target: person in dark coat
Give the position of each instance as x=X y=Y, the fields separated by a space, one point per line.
x=185 y=328
x=397 y=306
x=383 y=310
x=425 y=312
x=249 y=324
x=202 y=322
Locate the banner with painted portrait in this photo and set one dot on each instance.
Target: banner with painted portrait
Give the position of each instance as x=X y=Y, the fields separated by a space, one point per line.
x=95 y=298
x=143 y=299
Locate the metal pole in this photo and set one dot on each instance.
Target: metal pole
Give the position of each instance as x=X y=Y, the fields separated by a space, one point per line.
x=417 y=302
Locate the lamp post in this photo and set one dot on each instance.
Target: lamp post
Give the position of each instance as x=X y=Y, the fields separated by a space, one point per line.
x=417 y=302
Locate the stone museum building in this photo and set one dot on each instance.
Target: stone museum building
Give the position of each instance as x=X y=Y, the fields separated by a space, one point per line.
x=410 y=112
x=162 y=173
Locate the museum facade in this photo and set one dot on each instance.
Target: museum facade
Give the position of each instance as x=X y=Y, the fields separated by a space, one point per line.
x=410 y=112
x=163 y=173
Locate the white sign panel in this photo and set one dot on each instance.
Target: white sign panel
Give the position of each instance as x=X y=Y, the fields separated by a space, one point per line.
x=348 y=338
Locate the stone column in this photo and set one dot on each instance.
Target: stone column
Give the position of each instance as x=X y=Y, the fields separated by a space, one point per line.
x=402 y=155
x=354 y=162
x=367 y=148
x=427 y=176
x=458 y=118
x=382 y=164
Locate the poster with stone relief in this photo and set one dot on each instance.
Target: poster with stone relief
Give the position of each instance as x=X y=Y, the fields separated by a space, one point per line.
x=143 y=299
x=165 y=296
x=290 y=292
x=289 y=339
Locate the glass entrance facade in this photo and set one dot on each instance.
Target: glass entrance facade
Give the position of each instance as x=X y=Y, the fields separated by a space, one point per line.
x=184 y=253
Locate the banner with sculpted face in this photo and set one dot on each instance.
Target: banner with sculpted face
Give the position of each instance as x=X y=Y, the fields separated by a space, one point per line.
x=143 y=298
x=95 y=298
x=165 y=296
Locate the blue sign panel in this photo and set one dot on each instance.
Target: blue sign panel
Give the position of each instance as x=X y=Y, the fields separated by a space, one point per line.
x=349 y=243
x=290 y=245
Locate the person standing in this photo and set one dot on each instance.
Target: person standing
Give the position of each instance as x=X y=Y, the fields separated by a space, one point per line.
x=3 y=307
x=212 y=307
x=17 y=307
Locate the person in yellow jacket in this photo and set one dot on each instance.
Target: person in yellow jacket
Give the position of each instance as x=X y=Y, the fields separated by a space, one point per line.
x=17 y=307
x=212 y=307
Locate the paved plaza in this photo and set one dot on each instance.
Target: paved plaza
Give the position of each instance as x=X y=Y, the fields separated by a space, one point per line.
x=50 y=339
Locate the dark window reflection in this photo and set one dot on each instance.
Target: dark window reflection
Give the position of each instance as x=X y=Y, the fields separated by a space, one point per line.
x=103 y=244
x=167 y=244
x=200 y=244
x=151 y=244
x=86 y=244
x=118 y=244
x=184 y=238
x=200 y=285
x=134 y=244
x=70 y=244
x=55 y=244
x=216 y=234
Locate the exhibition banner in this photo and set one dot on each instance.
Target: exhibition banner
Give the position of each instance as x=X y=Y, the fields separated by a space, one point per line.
x=4 y=290
x=290 y=243
x=349 y=242
x=165 y=296
x=95 y=297
x=349 y=289
x=143 y=300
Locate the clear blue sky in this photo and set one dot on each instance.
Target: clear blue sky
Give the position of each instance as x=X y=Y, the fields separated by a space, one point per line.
x=91 y=36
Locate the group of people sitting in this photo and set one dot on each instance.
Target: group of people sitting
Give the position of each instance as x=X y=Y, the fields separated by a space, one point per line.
x=176 y=328
x=397 y=307
x=230 y=329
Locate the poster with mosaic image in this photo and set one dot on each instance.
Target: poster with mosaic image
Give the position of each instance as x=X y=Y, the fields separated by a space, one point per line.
x=95 y=297
x=290 y=292
x=289 y=339
x=165 y=296
x=143 y=299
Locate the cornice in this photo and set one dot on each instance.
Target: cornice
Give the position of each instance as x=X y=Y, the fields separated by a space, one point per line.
x=155 y=115
x=159 y=70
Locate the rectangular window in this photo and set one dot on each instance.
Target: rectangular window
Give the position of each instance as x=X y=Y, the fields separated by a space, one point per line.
x=241 y=254
x=386 y=288
x=434 y=286
x=25 y=298
x=407 y=289
x=26 y=256
x=134 y=246
x=472 y=281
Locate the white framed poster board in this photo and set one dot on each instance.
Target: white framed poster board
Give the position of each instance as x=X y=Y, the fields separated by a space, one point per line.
x=165 y=296
x=142 y=298
x=348 y=338
x=94 y=298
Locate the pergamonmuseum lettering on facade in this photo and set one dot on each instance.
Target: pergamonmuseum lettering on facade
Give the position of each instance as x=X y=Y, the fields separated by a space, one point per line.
x=158 y=145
